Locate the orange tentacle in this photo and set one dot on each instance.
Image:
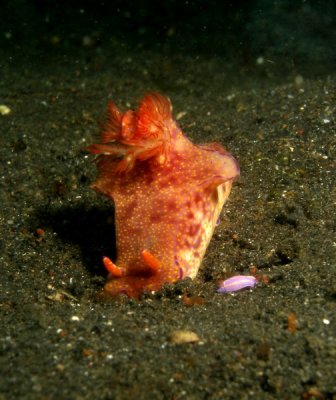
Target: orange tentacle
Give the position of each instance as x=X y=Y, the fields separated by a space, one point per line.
x=151 y=261
x=112 y=268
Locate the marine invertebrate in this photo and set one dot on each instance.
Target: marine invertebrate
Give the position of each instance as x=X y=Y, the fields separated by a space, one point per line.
x=168 y=194
x=236 y=283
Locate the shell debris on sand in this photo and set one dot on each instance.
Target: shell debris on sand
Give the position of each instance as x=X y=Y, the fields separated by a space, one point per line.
x=183 y=336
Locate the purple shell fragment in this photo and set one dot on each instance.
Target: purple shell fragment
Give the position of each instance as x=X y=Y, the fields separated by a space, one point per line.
x=237 y=283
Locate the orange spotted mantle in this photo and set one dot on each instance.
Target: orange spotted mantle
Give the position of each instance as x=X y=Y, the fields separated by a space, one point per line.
x=168 y=194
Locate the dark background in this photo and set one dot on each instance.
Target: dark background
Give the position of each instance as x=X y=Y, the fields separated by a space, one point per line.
x=299 y=33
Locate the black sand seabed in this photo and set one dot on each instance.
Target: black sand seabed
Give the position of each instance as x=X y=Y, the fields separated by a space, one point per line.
x=60 y=339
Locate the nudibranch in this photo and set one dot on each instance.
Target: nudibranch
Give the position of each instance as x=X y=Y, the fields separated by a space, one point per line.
x=168 y=194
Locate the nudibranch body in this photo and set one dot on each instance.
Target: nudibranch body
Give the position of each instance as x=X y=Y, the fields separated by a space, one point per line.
x=168 y=194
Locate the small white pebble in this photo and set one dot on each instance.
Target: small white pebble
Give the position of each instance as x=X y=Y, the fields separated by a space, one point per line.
x=4 y=110
x=298 y=80
x=87 y=41
x=74 y=318
x=326 y=321
x=230 y=96
x=326 y=120
x=180 y=115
